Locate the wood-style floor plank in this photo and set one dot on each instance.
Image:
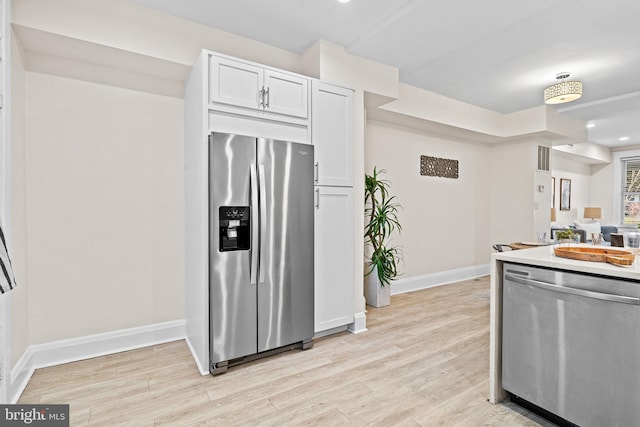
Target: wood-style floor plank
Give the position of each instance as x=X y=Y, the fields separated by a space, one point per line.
x=423 y=362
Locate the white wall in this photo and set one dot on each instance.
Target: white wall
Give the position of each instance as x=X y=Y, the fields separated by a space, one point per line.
x=580 y=175
x=601 y=194
x=541 y=203
x=512 y=187
x=104 y=203
x=445 y=221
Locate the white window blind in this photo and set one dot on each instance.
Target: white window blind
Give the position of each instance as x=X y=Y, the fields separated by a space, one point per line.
x=630 y=190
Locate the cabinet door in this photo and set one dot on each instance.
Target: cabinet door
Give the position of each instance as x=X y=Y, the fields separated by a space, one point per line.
x=235 y=83
x=334 y=269
x=285 y=94
x=332 y=133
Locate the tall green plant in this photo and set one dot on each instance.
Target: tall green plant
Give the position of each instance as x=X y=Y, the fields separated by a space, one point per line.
x=381 y=215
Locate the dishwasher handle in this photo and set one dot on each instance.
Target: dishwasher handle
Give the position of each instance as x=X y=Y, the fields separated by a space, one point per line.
x=573 y=291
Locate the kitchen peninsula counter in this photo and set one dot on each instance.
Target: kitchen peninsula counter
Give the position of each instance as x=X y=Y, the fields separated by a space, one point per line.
x=542 y=257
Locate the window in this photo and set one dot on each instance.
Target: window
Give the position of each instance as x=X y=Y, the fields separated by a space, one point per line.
x=630 y=208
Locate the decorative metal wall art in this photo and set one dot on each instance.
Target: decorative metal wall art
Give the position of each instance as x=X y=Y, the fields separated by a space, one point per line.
x=435 y=166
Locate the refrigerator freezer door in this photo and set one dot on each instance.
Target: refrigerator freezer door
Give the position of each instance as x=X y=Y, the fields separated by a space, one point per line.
x=285 y=296
x=232 y=305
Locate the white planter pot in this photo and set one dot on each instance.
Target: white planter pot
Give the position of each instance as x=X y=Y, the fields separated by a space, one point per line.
x=376 y=295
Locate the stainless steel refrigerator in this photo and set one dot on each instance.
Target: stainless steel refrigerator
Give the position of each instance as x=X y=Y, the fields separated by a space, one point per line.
x=261 y=248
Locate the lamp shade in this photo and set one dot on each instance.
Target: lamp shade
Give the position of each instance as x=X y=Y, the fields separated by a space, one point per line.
x=553 y=214
x=593 y=213
x=563 y=92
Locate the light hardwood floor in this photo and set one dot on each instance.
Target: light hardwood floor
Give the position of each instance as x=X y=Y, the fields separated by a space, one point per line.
x=423 y=362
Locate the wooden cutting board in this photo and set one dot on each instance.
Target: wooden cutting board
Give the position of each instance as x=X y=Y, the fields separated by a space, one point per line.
x=585 y=253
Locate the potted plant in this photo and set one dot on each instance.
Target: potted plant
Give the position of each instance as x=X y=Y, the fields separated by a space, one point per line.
x=565 y=236
x=380 y=221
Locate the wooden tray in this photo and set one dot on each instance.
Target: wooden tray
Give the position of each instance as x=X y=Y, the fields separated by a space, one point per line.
x=584 y=253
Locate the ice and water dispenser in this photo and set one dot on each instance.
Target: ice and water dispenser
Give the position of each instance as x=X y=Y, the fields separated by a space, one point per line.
x=234 y=226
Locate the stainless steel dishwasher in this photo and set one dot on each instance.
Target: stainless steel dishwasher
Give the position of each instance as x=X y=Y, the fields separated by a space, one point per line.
x=571 y=344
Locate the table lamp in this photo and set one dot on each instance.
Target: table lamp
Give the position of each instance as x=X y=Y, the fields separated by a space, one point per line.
x=593 y=213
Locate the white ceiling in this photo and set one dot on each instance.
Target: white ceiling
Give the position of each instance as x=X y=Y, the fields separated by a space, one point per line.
x=496 y=54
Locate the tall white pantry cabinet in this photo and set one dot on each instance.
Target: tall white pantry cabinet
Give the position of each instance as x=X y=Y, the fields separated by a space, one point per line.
x=332 y=137
x=231 y=95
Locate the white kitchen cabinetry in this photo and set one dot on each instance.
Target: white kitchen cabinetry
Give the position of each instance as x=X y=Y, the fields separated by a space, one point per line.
x=257 y=88
x=332 y=138
x=332 y=133
x=286 y=93
x=228 y=95
x=333 y=257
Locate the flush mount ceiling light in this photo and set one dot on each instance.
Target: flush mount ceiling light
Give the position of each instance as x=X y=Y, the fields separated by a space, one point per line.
x=565 y=91
x=344 y=1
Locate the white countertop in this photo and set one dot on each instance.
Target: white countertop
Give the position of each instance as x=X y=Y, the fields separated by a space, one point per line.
x=543 y=256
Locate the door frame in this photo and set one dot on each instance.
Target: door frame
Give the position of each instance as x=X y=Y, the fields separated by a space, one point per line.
x=5 y=185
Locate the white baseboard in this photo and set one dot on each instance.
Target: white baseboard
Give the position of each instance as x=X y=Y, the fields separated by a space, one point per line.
x=196 y=359
x=359 y=324
x=425 y=281
x=74 y=349
x=20 y=375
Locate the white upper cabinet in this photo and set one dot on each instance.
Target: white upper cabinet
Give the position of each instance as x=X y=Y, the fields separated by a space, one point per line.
x=286 y=93
x=235 y=83
x=332 y=134
x=261 y=89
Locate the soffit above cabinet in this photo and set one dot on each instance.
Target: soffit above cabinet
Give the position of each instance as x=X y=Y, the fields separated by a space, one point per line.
x=63 y=56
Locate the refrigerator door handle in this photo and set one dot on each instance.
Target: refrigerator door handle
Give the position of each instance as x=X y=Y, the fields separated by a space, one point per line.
x=317 y=198
x=254 y=225
x=316 y=177
x=263 y=222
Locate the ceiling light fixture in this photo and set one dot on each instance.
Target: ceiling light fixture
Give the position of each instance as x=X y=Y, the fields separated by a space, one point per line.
x=344 y=1
x=562 y=92
x=591 y=125
x=623 y=138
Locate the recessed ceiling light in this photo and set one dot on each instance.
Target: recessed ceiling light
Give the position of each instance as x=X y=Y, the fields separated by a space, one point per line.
x=624 y=138
x=344 y=1
x=591 y=125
